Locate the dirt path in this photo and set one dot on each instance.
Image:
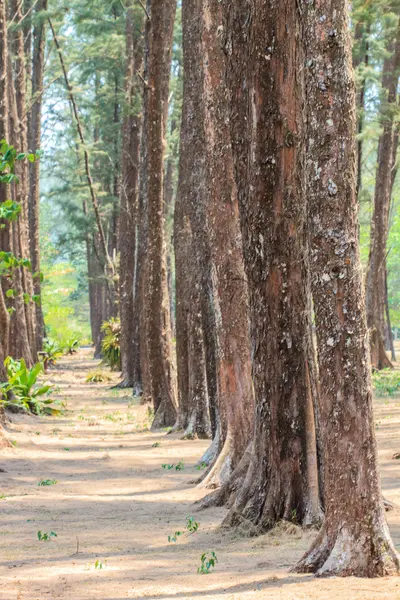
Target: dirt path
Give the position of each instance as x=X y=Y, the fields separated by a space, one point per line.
x=113 y=496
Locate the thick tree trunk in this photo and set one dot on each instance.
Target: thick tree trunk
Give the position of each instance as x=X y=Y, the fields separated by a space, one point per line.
x=39 y=42
x=129 y=198
x=4 y=316
x=268 y=146
x=354 y=539
x=23 y=186
x=157 y=312
x=234 y=377
x=375 y=287
x=20 y=339
x=190 y=240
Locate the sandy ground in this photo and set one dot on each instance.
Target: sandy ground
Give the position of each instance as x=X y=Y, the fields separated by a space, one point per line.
x=113 y=498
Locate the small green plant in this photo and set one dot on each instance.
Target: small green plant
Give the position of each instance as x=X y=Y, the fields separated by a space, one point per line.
x=100 y=564
x=192 y=525
x=3 y=497
x=180 y=466
x=71 y=345
x=97 y=377
x=208 y=562
x=52 y=351
x=156 y=445
x=45 y=482
x=386 y=382
x=111 y=346
x=202 y=465
x=167 y=467
x=46 y=537
x=21 y=387
x=14 y=443
x=174 y=537
x=67 y=449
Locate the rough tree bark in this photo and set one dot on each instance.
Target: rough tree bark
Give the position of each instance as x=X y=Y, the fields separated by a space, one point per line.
x=19 y=131
x=35 y=117
x=190 y=240
x=4 y=316
x=354 y=539
x=375 y=286
x=129 y=197
x=265 y=66
x=157 y=306
x=234 y=369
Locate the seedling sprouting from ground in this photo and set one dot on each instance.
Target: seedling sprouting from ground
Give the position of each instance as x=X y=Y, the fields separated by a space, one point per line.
x=156 y=445
x=191 y=527
x=67 y=449
x=208 y=562
x=46 y=537
x=44 y=482
x=100 y=564
x=201 y=465
x=179 y=467
x=174 y=538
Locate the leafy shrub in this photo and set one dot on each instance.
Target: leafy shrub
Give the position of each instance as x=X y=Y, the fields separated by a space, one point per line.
x=208 y=562
x=52 y=351
x=386 y=382
x=46 y=537
x=71 y=345
x=111 y=346
x=97 y=377
x=21 y=388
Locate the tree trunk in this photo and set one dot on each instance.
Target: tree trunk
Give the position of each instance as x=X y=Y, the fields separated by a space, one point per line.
x=157 y=312
x=19 y=136
x=4 y=316
x=354 y=539
x=190 y=240
x=234 y=376
x=389 y=332
x=129 y=197
x=268 y=145
x=375 y=287
x=39 y=42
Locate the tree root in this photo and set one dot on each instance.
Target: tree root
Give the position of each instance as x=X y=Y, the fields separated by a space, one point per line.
x=344 y=554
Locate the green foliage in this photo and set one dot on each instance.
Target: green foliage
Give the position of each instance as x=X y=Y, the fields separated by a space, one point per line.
x=156 y=445
x=72 y=345
x=191 y=527
x=65 y=303
x=202 y=465
x=97 y=377
x=208 y=562
x=386 y=382
x=47 y=482
x=52 y=351
x=46 y=537
x=21 y=390
x=179 y=467
x=174 y=537
x=111 y=346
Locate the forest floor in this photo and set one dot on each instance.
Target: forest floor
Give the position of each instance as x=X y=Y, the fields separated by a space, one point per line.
x=113 y=497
